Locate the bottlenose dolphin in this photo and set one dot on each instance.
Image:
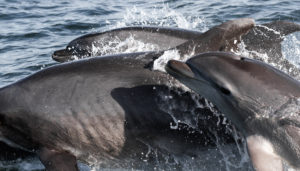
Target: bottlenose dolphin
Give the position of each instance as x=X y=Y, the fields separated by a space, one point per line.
x=106 y=109
x=94 y=44
x=263 y=102
x=186 y=42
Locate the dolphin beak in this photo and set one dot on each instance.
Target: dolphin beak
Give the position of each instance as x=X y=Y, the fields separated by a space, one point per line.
x=61 y=55
x=177 y=68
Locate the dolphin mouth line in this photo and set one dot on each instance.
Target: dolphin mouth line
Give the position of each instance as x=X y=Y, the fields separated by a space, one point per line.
x=61 y=55
x=177 y=73
x=173 y=70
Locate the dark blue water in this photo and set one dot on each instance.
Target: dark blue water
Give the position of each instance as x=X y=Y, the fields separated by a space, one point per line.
x=31 y=30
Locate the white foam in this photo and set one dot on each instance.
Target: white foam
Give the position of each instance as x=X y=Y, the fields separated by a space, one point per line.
x=159 y=64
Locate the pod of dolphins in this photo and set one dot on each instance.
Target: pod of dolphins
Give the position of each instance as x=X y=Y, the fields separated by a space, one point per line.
x=107 y=107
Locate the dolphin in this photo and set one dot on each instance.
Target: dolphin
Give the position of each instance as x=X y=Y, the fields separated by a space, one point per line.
x=105 y=110
x=261 y=101
x=162 y=37
x=185 y=41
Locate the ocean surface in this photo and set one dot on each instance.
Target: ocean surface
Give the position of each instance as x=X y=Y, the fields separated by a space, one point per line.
x=31 y=30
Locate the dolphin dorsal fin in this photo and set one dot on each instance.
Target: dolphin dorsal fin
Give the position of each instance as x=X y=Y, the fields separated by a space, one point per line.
x=219 y=38
x=235 y=28
x=262 y=154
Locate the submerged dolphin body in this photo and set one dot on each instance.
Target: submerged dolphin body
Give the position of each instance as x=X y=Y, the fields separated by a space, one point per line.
x=185 y=41
x=263 y=102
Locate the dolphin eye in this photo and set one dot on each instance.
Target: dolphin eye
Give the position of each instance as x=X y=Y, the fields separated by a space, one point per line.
x=224 y=90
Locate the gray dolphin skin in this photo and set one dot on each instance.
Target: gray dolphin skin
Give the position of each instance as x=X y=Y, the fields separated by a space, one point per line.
x=260 y=100
x=186 y=42
x=100 y=110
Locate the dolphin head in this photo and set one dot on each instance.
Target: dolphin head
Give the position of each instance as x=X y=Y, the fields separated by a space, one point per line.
x=203 y=75
x=69 y=53
x=77 y=48
x=241 y=88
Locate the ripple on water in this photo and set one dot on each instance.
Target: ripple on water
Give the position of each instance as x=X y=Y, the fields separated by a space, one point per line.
x=25 y=36
x=79 y=26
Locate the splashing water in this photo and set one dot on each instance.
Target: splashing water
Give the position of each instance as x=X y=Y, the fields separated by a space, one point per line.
x=291 y=48
x=159 y=64
x=160 y=16
x=115 y=46
x=229 y=156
